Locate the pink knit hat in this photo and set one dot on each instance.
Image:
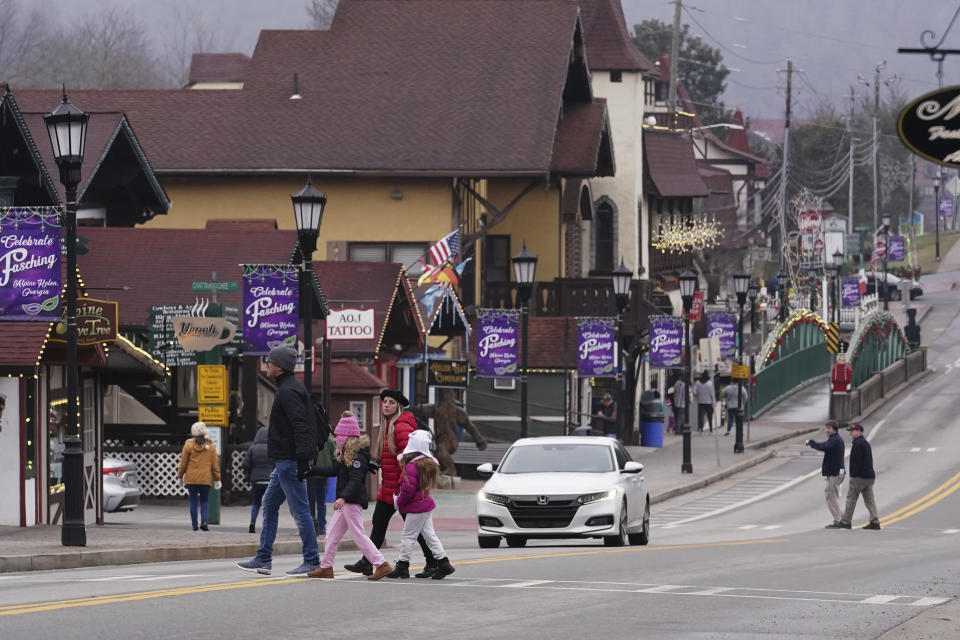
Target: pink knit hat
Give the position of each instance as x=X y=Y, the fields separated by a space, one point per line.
x=348 y=426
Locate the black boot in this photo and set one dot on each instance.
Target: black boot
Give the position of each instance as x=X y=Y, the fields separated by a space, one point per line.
x=428 y=570
x=400 y=570
x=253 y=528
x=204 y=527
x=362 y=566
x=443 y=569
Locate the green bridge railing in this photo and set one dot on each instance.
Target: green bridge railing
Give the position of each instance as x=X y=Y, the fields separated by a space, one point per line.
x=787 y=373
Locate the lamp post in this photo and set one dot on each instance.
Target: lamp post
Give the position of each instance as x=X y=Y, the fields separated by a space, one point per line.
x=783 y=283
x=308 y=207
x=67 y=128
x=741 y=282
x=524 y=269
x=621 y=291
x=886 y=249
x=688 y=282
x=838 y=267
x=936 y=208
x=752 y=292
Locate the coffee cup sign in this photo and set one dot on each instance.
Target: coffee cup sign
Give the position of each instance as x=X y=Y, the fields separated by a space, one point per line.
x=202 y=334
x=350 y=324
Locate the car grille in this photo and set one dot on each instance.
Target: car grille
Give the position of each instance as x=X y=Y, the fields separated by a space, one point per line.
x=553 y=515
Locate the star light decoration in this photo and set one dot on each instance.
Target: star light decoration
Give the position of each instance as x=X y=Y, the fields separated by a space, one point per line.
x=680 y=233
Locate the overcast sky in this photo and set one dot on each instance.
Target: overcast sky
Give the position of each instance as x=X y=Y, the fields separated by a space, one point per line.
x=830 y=41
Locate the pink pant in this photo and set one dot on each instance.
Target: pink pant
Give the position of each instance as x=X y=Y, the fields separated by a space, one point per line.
x=349 y=517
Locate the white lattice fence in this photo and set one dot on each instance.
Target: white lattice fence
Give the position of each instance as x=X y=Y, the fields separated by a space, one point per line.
x=157 y=471
x=240 y=482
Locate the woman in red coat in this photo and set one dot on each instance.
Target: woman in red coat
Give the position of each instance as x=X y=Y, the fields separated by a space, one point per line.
x=396 y=425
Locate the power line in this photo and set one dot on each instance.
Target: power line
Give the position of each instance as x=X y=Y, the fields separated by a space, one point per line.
x=723 y=46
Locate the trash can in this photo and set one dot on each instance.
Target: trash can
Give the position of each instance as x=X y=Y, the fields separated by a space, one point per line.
x=651 y=423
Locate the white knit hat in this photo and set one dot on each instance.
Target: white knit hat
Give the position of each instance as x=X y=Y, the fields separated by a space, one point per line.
x=419 y=442
x=199 y=429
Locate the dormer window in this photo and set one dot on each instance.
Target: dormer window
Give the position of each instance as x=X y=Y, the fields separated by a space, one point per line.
x=616 y=76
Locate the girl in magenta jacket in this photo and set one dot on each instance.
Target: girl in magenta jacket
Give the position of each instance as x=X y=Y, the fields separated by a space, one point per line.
x=420 y=471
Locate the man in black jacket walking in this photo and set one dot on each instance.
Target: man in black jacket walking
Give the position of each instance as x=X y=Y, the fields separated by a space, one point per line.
x=292 y=443
x=862 y=477
x=832 y=469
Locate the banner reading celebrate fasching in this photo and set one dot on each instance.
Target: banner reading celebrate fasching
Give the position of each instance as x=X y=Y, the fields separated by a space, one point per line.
x=270 y=307
x=896 y=249
x=723 y=325
x=666 y=342
x=596 y=347
x=497 y=343
x=30 y=278
x=850 y=292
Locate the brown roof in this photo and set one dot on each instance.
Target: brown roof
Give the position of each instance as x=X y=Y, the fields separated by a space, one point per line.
x=350 y=378
x=583 y=139
x=670 y=163
x=21 y=343
x=609 y=46
x=218 y=67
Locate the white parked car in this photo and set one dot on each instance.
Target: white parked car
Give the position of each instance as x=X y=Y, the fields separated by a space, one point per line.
x=564 y=487
x=121 y=489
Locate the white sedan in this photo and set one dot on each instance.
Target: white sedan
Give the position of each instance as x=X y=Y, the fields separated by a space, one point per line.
x=564 y=487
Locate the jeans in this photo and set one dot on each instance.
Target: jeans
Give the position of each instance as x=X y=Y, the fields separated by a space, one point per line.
x=381 y=518
x=284 y=485
x=318 y=501
x=350 y=516
x=199 y=493
x=732 y=418
x=259 y=488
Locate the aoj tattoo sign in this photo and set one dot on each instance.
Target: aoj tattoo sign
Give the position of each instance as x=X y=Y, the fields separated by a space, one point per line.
x=930 y=126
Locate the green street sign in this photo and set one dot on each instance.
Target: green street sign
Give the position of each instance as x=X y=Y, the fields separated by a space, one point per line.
x=213 y=285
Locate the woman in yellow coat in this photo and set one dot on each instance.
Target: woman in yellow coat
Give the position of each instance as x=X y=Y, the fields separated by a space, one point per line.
x=199 y=468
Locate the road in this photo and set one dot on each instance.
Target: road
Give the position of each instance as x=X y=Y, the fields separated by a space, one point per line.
x=746 y=558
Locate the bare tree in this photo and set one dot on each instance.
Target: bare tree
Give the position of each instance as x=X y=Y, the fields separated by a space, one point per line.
x=321 y=13
x=188 y=32
x=20 y=37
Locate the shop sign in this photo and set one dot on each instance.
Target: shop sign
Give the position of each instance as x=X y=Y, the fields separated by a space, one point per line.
x=96 y=322
x=447 y=373
x=930 y=127
x=211 y=384
x=213 y=414
x=350 y=324
x=202 y=334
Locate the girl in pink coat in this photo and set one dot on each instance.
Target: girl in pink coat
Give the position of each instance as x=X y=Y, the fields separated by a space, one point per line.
x=420 y=471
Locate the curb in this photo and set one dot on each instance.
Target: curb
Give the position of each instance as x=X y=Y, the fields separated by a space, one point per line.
x=893 y=395
x=73 y=560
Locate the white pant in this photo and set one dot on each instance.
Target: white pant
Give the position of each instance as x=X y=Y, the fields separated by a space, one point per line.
x=414 y=525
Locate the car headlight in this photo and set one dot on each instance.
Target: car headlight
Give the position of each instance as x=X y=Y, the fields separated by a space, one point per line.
x=597 y=497
x=493 y=498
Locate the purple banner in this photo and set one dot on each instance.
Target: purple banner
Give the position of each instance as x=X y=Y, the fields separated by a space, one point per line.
x=666 y=342
x=896 y=249
x=497 y=343
x=946 y=206
x=850 y=292
x=596 y=347
x=31 y=277
x=270 y=307
x=723 y=326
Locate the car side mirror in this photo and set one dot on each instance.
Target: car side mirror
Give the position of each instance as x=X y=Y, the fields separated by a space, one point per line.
x=632 y=467
x=485 y=469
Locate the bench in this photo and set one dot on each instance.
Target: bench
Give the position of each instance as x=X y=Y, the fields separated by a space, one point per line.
x=468 y=457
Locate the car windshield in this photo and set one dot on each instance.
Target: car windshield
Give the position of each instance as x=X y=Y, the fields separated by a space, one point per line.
x=569 y=458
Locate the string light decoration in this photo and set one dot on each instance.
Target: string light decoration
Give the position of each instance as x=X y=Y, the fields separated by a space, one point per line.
x=680 y=233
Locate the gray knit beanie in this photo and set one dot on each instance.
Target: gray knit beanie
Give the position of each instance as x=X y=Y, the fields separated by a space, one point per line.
x=284 y=356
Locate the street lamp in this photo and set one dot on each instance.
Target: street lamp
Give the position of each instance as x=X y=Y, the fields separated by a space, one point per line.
x=936 y=207
x=741 y=283
x=308 y=207
x=838 y=267
x=67 y=128
x=752 y=292
x=886 y=250
x=688 y=283
x=524 y=269
x=621 y=291
x=783 y=284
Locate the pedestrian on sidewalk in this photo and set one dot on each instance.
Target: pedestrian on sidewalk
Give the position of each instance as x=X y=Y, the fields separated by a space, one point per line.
x=351 y=465
x=396 y=425
x=831 y=469
x=730 y=401
x=199 y=469
x=318 y=497
x=681 y=398
x=605 y=418
x=706 y=397
x=292 y=443
x=862 y=477
x=257 y=466
x=420 y=471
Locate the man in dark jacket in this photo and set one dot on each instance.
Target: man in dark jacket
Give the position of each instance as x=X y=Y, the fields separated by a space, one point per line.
x=832 y=469
x=292 y=443
x=862 y=477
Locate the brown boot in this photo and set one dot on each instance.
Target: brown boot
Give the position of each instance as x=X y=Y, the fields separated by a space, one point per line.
x=321 y=572
x=381 y=571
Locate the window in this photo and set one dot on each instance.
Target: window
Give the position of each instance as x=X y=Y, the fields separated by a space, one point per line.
x=405 y=253
x=604 y=238
x=648 y=96
x=496 y=259
x=661 y=91
x=616 y=76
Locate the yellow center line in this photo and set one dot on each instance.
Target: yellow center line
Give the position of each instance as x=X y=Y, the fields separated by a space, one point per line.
x=923 y=503
x=928 y=496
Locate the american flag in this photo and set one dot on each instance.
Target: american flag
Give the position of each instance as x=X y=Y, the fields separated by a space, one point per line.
x=446 y=248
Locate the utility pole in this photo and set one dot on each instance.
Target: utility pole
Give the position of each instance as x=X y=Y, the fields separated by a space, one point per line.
x=876 y=143
x=850 y=179
x=675 y=55
x=785 y=170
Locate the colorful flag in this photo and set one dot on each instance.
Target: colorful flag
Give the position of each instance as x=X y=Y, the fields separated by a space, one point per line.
x=446 y=248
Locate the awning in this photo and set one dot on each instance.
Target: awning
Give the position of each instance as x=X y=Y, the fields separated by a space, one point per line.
x=671 y=166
